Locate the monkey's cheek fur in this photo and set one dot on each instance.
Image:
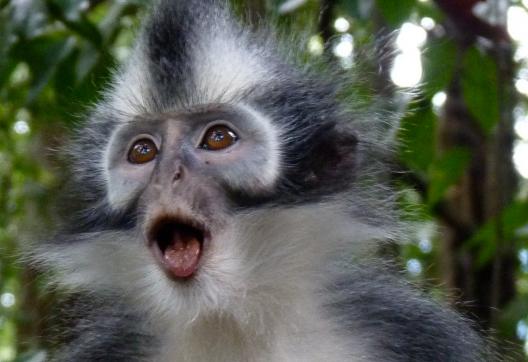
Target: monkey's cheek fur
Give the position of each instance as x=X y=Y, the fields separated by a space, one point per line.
x=177 y=246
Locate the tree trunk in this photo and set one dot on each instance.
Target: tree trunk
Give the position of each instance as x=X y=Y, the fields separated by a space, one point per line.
x=487 y=187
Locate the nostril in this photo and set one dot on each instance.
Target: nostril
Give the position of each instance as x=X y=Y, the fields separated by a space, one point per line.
x=178 y=174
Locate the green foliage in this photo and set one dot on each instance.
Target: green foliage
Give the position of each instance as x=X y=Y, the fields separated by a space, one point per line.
x=479 y=84
x=358 y=9
x=417 y=137
x=508 y=225
x=444 y=172
x=395 y=12
x=439 y=65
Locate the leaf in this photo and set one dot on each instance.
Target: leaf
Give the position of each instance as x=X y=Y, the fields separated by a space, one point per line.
x=82 y=26
x=514 y=312
x=359 y=9
x=445 y=172
x=111 y=24
x=87 y=60
x=515 y=216
x=395 y=12
x=504 y=227
x=438 y=64
x=417 y=139
x=72 y=9
x=430 y=10
x=480 y=88
x=43 y=55
x=29 y=17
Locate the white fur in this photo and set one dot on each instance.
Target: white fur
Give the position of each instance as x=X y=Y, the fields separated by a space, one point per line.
x=130 y=91
x=224 y=65
x=253 y=176
x=257 y=296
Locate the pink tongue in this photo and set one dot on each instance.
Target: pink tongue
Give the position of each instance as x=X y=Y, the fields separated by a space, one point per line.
x=182 y=255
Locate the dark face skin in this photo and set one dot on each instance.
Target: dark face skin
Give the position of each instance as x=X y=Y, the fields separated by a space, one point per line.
x=178 y=168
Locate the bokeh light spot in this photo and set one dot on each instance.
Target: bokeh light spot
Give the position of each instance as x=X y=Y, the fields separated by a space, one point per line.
x=341 y=25
x=7 y=300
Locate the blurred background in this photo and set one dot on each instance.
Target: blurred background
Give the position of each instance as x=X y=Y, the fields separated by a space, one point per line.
x=462 y=160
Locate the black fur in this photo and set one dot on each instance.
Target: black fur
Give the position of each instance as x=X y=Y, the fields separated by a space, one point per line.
x=102 y=329
x=402 y=324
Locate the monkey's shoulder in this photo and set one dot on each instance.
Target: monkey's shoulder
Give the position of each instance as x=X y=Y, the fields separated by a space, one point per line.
x=400 y=323
x=99 y=329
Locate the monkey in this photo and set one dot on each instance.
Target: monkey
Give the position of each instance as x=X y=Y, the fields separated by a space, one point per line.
x=221 y=191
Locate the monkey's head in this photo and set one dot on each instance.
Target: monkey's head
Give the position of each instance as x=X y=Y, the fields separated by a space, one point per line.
x=216 y=174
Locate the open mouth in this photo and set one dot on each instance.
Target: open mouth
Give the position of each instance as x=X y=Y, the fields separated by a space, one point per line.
x=178 y=245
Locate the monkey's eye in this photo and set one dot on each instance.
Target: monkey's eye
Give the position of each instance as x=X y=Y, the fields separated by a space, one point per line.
x=142 y=151
x=218 y=137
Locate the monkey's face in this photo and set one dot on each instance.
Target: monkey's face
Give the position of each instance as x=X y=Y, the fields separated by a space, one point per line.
x=179 y=171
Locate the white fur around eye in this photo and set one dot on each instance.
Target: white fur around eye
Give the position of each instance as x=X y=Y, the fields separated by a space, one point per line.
x=125 y=180
x=259 y=170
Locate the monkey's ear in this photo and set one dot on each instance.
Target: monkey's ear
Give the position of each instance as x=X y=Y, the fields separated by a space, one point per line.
x=334 y=155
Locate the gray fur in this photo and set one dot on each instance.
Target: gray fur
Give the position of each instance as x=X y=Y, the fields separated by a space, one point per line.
x=277 y=282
